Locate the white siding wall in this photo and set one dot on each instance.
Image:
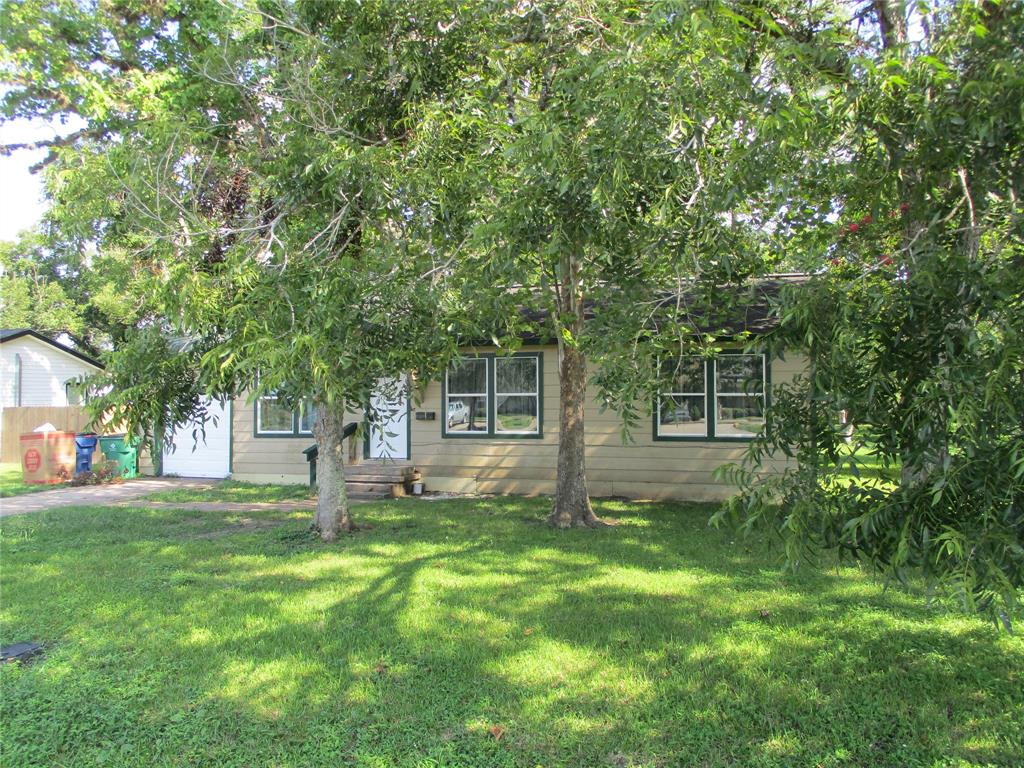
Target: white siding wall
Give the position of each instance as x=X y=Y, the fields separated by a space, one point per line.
x=44 y=371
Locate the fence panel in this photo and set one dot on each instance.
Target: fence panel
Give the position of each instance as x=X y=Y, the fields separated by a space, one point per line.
x=72 y=418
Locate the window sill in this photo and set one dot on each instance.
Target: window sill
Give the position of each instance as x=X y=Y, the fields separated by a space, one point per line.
x=492 y=436
x=702 y=439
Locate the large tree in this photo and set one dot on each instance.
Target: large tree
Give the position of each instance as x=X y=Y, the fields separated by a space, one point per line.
x=914 y=320
x=621 y=151
x=250 y=156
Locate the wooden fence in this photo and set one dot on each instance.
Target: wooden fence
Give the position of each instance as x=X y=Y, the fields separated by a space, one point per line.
x=72 y=418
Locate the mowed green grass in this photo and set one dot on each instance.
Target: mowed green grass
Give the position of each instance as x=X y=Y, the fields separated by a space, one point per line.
x=235 y=491
x=465 y=633
x=11 y=481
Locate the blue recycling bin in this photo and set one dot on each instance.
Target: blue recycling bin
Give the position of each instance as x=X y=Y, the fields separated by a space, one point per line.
x=85 y=444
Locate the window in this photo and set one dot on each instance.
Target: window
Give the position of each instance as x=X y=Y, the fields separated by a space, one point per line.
x=739 y=395
x=723 y=398
x=683 y=411
x=490 y=396
x=74 y=392
x=466 y=404
x=307 y=415
x=516 y=395
x=275 y=419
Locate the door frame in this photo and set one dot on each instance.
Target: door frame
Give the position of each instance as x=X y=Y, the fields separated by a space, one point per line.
x=408 y=426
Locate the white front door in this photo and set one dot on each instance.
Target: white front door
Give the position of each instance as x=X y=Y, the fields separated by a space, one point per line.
x=389 y=420
x=190 y=453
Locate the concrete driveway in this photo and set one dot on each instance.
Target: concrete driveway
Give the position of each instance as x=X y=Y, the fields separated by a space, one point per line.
x=96 y=495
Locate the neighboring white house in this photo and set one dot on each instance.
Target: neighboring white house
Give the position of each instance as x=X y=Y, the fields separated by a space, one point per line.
x=37 y=371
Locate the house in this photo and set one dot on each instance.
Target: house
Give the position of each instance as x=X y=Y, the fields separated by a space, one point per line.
x=38 y=371
x=490 y=425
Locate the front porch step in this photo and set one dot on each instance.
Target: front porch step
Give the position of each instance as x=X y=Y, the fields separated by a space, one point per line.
x=374 y=479
x=358 y=486
x=390 y=470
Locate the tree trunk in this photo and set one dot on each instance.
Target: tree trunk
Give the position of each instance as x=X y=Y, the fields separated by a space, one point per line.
x=332 y=508
x=156 y=450
x=572 y=501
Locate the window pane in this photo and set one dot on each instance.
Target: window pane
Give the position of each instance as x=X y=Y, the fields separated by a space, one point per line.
x=273 y=416
x=739 y=415
x=516 y=413
x=470 y=377
x=467 y=413
x=74 y=393
x=688 y=375
x=682 y=415
x=515 y=374
x=307 y=415
x=740 y=374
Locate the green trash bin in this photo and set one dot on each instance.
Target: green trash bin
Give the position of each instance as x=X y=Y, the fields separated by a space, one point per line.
x=119 y=449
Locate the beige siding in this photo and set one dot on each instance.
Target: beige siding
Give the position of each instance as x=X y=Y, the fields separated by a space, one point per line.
x=645 y=468
x=265 y=459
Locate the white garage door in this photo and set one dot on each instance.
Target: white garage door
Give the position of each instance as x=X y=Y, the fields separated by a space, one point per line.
x=192 y=456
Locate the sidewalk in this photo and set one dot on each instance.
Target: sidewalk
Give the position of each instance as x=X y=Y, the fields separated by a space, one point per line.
x=96 y=495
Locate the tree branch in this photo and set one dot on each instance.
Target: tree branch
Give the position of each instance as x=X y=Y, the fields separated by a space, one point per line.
x=51 y=144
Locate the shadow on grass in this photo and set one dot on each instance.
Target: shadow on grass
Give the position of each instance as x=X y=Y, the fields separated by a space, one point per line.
x=657 y=642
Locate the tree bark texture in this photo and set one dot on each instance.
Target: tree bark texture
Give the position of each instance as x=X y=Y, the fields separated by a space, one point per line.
x=333 y=515
x=572 y=507
x=572 y=500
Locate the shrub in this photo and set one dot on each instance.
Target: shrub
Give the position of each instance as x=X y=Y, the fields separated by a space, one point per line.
x=105 y=473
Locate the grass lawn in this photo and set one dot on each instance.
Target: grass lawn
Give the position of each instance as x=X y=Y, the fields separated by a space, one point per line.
x=464 y=633
x=865 y=465
x=233 y=490
x=11 y=484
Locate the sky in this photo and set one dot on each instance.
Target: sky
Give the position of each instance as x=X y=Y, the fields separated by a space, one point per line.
x=21 y=192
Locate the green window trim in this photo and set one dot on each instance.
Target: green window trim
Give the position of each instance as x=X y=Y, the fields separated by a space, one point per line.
x=491 y=361
x=711 y=397
x=297 y=416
